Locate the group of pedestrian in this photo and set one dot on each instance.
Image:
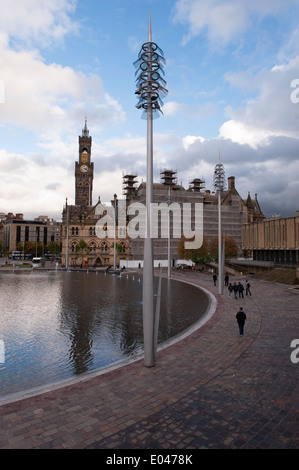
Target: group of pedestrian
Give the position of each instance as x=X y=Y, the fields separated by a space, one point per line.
x=237 y=290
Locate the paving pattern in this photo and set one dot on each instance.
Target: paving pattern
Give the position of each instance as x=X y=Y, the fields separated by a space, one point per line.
x=212 y=390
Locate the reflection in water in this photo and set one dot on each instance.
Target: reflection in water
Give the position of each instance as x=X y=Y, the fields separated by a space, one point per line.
x=59 y=324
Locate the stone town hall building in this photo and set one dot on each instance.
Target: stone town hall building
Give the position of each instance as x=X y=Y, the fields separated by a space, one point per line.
x=79 y=221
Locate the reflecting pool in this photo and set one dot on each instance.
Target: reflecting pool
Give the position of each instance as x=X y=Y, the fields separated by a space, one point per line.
x=56 y=325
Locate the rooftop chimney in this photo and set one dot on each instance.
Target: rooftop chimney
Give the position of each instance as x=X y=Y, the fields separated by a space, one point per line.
x=231 y=182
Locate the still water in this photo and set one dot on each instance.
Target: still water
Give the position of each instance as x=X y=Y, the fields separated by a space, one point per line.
x=56 y=325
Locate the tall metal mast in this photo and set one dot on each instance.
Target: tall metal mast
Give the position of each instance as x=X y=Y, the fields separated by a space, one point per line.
x=219 y=184
x=150 y=88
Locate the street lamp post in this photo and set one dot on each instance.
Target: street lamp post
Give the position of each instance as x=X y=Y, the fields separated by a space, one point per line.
x=67 y=237
x=169 y=258
x=150 y=89
x=219 y=184
x=115 y=247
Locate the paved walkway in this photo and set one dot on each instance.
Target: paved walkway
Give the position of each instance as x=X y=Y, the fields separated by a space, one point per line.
x=213 y=389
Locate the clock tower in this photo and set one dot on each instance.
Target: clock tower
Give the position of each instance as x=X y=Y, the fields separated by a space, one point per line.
x=84 y=170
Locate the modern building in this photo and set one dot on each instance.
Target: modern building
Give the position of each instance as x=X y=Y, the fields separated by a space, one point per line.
x=274 y=239
x=15 y=232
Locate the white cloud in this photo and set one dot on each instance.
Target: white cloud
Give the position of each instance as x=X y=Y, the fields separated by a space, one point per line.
x=224 y=20
x=43 y=97
x=35 y=183
x=271 y=113
x=40 y=21
x=190 y=140
x=241 y=133
x=171 y=108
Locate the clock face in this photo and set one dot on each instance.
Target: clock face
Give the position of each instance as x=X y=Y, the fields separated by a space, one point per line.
x=84 y=168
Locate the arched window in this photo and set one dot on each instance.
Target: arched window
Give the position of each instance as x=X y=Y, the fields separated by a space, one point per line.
x=73 y=246
x=104 y=247
x=93 y=247
x=121 y=247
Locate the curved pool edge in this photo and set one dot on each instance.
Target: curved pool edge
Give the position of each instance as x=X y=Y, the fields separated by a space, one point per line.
x=197 y=325
x=34 y=392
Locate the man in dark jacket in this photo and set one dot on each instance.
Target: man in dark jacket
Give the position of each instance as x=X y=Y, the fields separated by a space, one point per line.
x=241 y=290
x=241 y=317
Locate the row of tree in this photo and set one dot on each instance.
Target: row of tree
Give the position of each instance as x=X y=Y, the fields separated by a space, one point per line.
x=208 y=252
x=82 y=249
x=33 y=249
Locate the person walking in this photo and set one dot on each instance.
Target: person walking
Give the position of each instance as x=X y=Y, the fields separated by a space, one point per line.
x=241 y=318
x=236 y=290
x=214 y=279
x=248 y=288
x=226 y=279
x=241 y=290
x=230 y=290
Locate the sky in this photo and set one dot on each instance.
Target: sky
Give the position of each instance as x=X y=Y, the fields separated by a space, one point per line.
x=232 y=73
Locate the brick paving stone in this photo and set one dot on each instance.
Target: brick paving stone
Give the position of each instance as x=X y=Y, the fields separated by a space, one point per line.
x=211 y=390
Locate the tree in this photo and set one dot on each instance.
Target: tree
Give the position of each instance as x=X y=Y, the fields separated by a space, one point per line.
x=231 y=248
x=183 y=253
x=32 y=248
x=3 y=251
x=119 y=248
x=82 y=249
x=53 y=248
x=197 y=255
x=213 y=248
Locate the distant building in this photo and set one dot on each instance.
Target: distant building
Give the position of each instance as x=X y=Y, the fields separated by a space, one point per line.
x=15 y=231
x=274 y=239
x=79 y=221
x=234 y=210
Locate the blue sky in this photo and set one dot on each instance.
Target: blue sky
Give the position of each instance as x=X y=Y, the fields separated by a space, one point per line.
x=229 y=69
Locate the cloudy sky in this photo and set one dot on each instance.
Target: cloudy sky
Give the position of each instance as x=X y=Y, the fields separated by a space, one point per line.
x=232 y=74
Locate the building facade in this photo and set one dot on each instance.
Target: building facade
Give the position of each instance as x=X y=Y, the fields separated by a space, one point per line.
x=275 y=239
x=15 y=232
x=234 y=211
x=79 y=221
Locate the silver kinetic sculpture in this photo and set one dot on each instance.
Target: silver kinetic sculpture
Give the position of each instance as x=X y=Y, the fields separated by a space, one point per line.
x=219 y=185
x=150 y=89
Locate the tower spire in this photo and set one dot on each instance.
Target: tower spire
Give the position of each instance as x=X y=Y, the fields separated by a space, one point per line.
x=85 y=131
x=150 y=28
